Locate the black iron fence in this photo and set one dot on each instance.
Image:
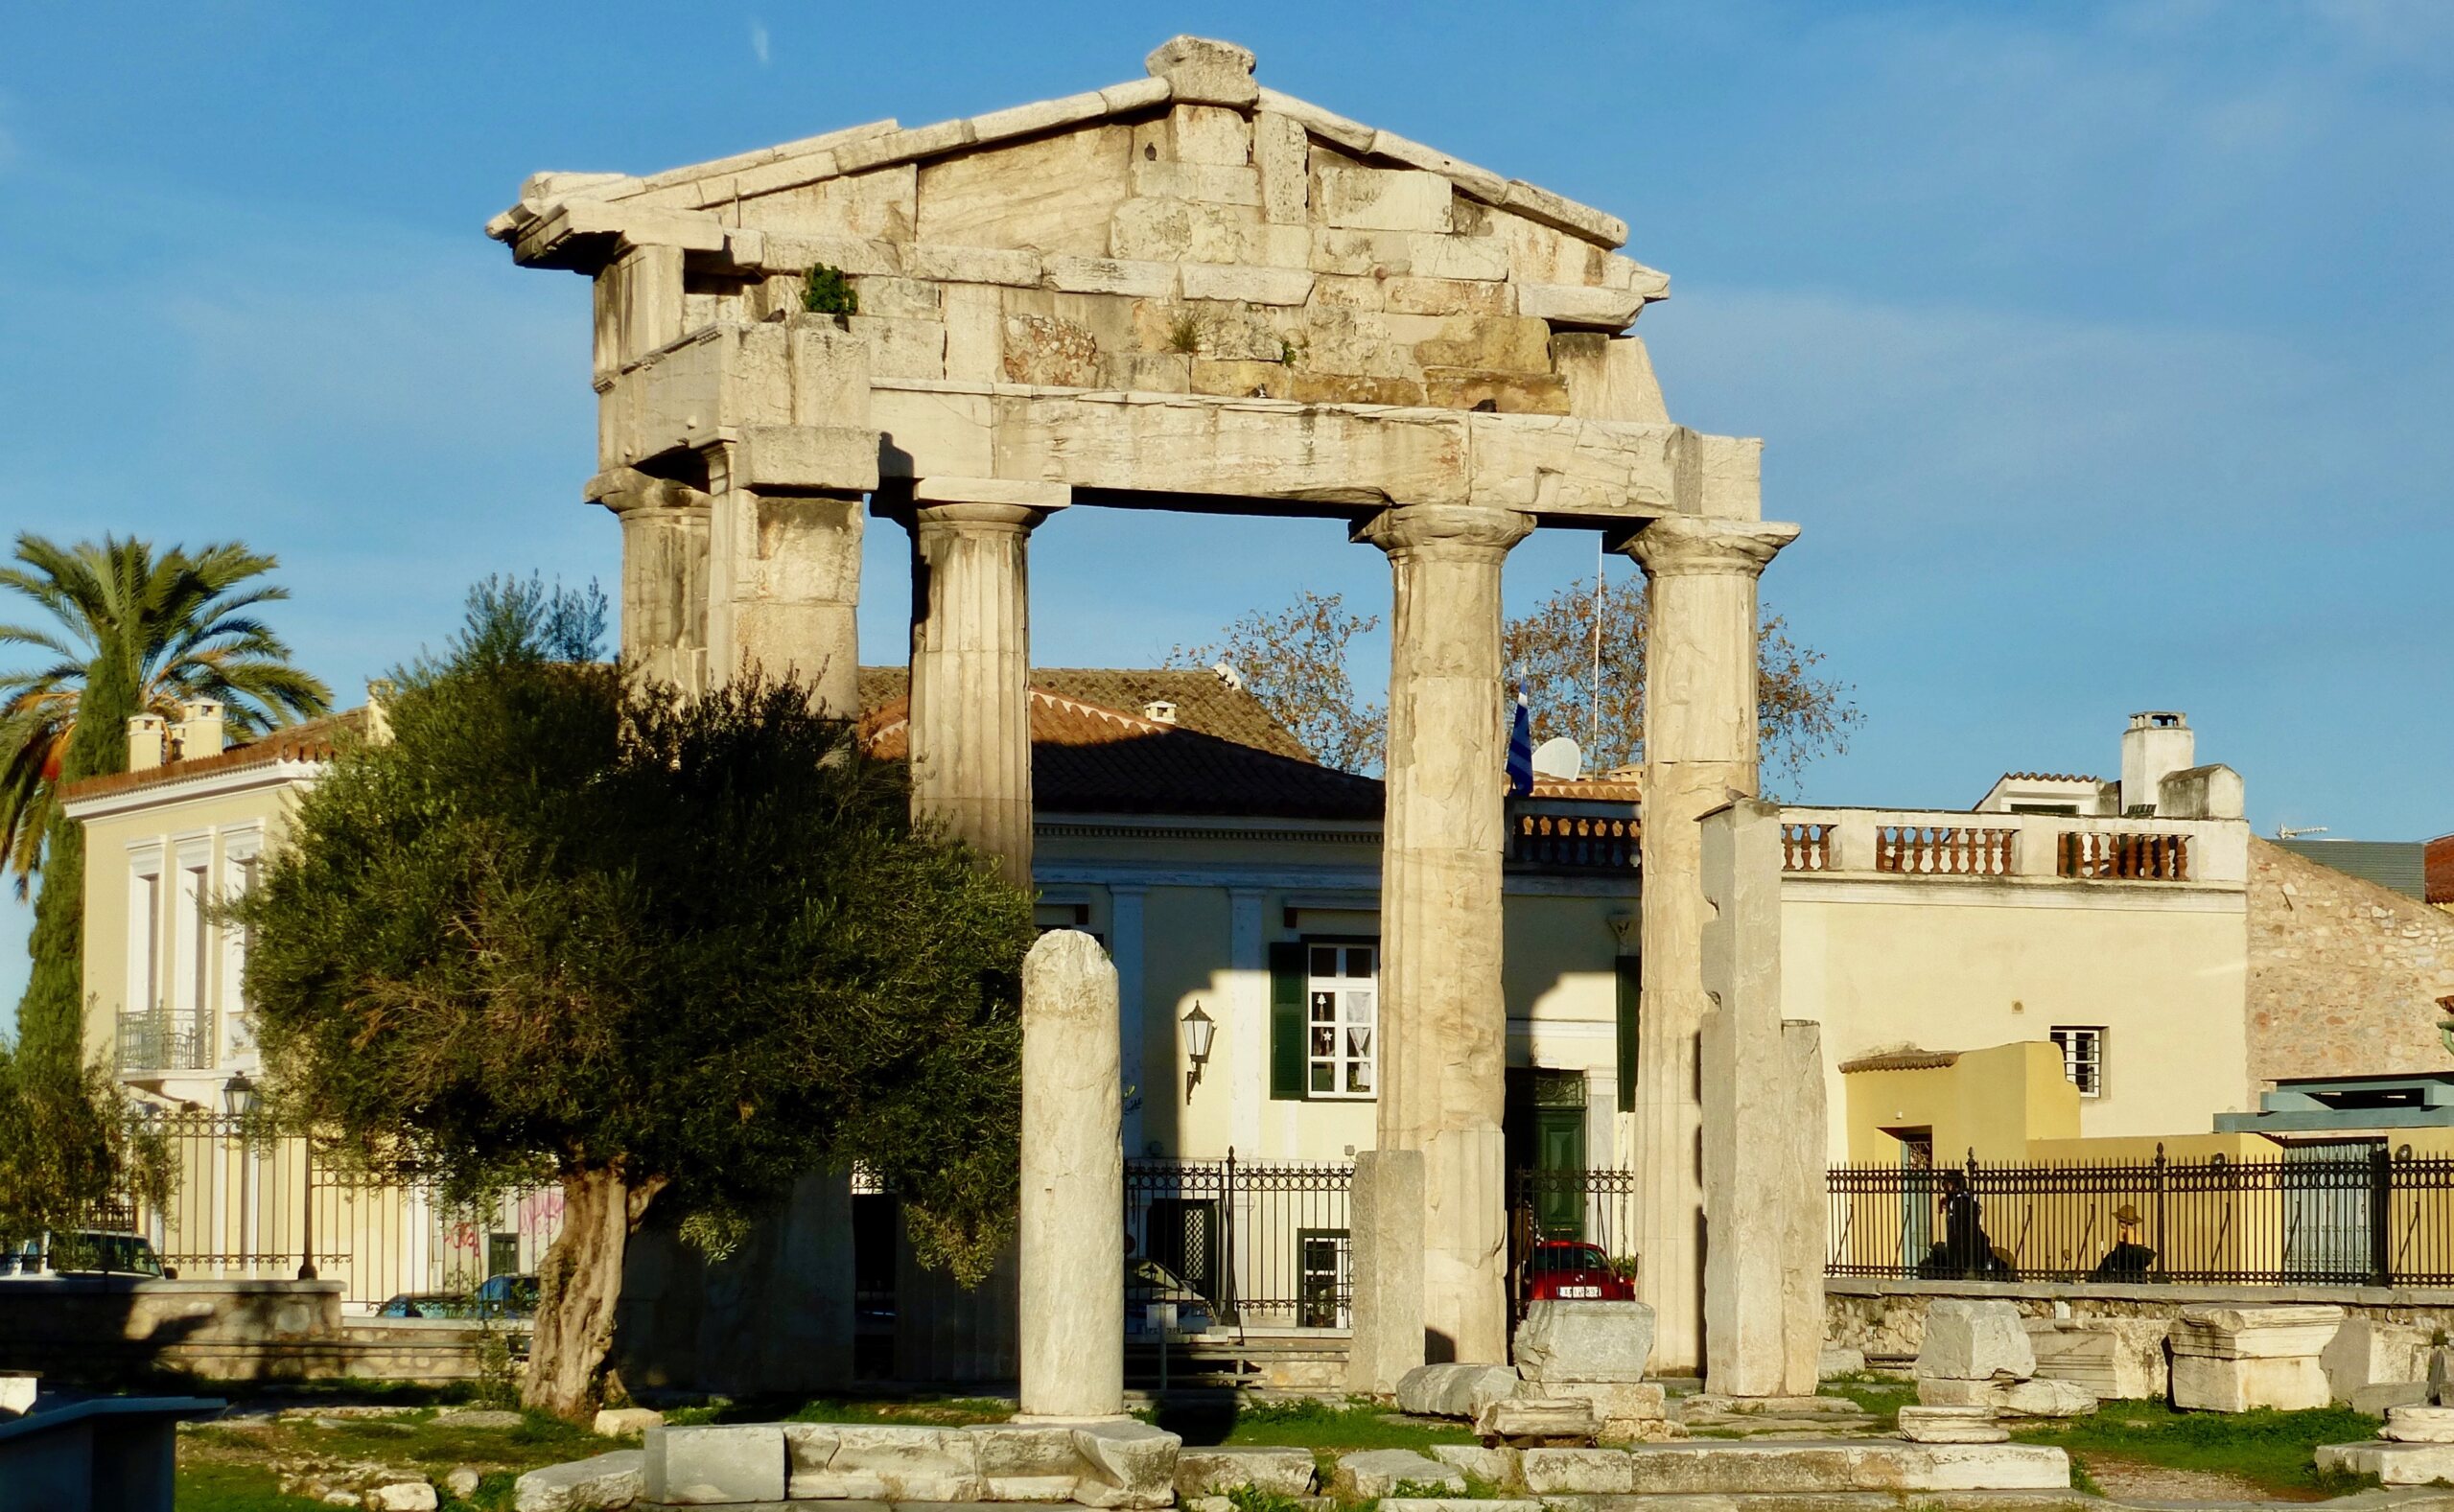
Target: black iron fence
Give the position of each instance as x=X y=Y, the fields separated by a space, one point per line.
x=248 y=1203
x=2339 y=1212
x=1258 y=1244
x=1593 y=1207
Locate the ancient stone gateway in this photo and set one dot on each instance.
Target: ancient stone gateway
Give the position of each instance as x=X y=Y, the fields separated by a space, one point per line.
x=1191 y=292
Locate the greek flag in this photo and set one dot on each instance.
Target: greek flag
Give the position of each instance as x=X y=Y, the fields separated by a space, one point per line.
x=1521 y=749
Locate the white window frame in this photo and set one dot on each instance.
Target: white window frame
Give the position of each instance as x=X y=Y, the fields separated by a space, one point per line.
x=143 y=989
x=191 y=960
x=1341 y=1020
x=242 y=866
x=2083 y=1056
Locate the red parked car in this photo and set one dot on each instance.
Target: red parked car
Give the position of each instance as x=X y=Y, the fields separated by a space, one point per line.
x=1571 y=1270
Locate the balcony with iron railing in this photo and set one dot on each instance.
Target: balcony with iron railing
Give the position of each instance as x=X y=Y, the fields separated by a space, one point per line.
x=161 y=1042
x=2023 y=848
x=1573 y=836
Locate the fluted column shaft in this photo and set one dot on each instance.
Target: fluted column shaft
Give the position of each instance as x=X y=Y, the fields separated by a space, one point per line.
x=1443 y=1019
x=1700 y=751
x=970 y=709
x=664 y=574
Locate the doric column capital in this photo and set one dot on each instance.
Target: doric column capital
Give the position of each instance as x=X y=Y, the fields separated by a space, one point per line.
x=1695 y=546
x=1447 y=532
x=973 y=520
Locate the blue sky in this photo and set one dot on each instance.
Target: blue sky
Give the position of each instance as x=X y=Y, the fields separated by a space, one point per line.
x=2102 y=350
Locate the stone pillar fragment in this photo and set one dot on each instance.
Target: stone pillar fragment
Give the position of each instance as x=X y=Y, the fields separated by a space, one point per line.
x=1807 y=1224
x=664 y=574
x=1386 y=1218
x=783 y=574
x=1443 y=1019
x=971 y=698
x=1744 y=1074
x=1072 y=1226
x=1700 y=750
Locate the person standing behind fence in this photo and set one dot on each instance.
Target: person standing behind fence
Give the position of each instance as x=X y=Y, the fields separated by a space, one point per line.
x=2129 y=1259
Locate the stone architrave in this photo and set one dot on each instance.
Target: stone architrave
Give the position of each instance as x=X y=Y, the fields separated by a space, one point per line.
x=1748 y=1155
x=971 y=688
x=1072 y=1226
x=1700 y=751
x=664 y=573
x=1386 y=1219
x=1443 y=1019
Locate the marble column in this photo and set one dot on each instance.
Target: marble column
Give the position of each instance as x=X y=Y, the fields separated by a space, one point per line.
x=1071 y=1229
x=1443 y=1019
x=1700 y=751
x=664 y=574
x=970 y=690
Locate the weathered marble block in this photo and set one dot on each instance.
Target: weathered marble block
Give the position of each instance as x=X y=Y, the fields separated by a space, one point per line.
x=1584 y=1341
x=2115 y=1358
x=2235 y=1359
x=1550 y=1418
x=2040 y=1398
x=1377 y=1472
x=2419 y=1425
x=1951 y=1425
x=1968 y=1341
x=715 y=1463
x=1453 y=1390
x=2393 y=1464
x=1216 y=1472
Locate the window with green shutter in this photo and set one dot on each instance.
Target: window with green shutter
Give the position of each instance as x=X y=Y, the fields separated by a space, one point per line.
x=1630 y=993
x=1286 y=1020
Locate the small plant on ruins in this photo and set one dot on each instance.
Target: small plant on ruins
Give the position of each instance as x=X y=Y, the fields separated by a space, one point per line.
x=668 y=952
x=1290 y=352
x=827 y=291
x=1184 y=333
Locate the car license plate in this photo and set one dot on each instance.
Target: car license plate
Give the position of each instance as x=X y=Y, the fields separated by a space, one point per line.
x=1581 y=1292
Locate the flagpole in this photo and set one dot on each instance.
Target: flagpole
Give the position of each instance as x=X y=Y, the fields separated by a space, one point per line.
x=1600 y=557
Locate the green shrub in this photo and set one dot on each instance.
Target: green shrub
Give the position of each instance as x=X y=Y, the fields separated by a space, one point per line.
x=827 y=291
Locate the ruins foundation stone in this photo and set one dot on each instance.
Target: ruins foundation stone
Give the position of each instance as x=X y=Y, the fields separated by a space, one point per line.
x=1071 y=1232
x=2235 y=1359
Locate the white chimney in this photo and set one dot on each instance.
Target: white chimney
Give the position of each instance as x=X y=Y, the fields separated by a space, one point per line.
x=147 y=737
x=198 y=732
x=2157 y=744
x=1158 y=711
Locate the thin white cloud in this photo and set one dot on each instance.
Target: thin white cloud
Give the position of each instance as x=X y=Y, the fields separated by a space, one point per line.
x=759 y=40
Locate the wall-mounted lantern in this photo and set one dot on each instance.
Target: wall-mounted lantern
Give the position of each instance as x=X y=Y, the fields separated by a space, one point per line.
x=239 y=1096
x=1198 y=1029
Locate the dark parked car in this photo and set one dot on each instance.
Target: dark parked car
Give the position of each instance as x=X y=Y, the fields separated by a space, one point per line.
x=1571 y=1270
x=497 y=1296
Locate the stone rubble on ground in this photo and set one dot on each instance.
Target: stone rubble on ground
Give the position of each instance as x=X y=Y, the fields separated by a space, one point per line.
x=1839 y=1359
x=1453 y=1390
x=461 y=1482
x=2119 y=1359
x=2393 y=1464
x=1565 y=1340
x=400 y=1496
x=1978 y=1354
x=2419 y=1425
x=598 y=1484
x=1492 y=1466
x=621 y=1422
x=1373 y=1473
x=2371 y=1364
x=1548 y=1420
x=1951 y=1425
x=1216 y=1472
x=478 y=1417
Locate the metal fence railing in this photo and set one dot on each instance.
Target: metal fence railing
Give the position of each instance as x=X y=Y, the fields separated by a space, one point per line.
x=1598 y=1207
x=246 y=1203
x=2338 y=1212
x=1265 y=1244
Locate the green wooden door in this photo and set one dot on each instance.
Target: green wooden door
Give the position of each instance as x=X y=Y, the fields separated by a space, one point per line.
x=1559 y=1145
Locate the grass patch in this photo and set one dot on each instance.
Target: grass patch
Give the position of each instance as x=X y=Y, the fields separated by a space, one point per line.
x=1879 y=1399
x=1307 y=1423
x=236 y=1488
x=2274 y=1450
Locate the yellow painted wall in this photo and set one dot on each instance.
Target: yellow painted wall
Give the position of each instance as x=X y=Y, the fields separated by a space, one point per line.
x=1996 y=1101
x=1957 y=963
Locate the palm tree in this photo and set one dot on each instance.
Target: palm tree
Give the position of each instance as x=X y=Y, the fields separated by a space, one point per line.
x=132 y=633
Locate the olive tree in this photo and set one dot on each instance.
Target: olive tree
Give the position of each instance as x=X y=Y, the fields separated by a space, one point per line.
x=660 y=949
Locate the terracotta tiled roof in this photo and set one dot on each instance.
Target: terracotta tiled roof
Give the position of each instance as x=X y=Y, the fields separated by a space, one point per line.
x=1903 y=1060
x=1203 y=703
x=309 y=740
x=1605 y=790
x=2439 y=864
x=1090 y=758
x=2047 y=776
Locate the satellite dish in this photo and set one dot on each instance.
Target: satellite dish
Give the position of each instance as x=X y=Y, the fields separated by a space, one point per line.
x=1559 y=760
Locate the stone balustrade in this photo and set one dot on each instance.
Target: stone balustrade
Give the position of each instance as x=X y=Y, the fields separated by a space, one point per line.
x=1950 y=846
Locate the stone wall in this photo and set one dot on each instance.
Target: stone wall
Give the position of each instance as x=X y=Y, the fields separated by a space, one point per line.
x=1886 y=1320
x=115 y=1331
x=2344 y=974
